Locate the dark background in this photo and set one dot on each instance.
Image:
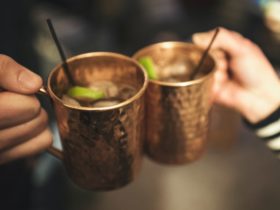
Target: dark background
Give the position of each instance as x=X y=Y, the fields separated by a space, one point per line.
x=237 y=172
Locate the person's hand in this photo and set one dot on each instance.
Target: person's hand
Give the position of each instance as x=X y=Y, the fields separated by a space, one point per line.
x=23 y=123
x=244 y=80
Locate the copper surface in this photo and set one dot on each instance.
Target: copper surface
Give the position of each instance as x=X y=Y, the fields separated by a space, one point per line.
x=177 y=114
x=102 y=147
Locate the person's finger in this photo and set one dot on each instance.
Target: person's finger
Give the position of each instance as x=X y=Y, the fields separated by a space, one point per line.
x=226 y=40
x=221 y=62
x=32 y=147
x=16 y=78
x=220 y=79
x=229 y=94
x=221 y=67
x=18 y=134
x=243 y=54
x=16 y=108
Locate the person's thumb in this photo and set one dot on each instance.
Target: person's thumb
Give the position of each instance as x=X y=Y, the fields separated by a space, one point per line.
x=16 y=78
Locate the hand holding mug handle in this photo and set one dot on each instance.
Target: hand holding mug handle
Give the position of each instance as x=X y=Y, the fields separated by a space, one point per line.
x=23 y=122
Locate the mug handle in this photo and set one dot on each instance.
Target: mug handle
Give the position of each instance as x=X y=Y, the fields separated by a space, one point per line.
x=52 y=150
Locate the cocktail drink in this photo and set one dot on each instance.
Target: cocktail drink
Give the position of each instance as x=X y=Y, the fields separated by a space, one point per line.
x=177 y=101
x=100 y=119
x=98 y=94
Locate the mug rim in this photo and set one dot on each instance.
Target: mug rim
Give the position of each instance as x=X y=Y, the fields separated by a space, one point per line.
x=174 y=44
x=137 y=95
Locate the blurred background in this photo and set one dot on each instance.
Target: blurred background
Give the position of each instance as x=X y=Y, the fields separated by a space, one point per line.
x=237 y=171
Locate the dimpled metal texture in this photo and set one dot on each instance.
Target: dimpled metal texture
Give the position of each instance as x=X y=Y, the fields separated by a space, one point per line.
x=102 y=147
x=177 y=113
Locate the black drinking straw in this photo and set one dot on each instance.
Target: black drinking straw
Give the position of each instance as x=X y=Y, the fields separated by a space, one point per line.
x=205 y=53
x=61 y=53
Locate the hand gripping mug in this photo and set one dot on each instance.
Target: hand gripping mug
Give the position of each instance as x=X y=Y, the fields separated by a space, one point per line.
x=177 y=107
x=102 y=145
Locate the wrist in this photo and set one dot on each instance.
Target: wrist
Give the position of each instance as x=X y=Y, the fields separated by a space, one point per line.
x=272 y=117
x=260 y=106
x=268 y=129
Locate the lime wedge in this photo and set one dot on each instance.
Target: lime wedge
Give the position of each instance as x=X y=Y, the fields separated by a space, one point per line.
x=149 y=66
x=79 y=92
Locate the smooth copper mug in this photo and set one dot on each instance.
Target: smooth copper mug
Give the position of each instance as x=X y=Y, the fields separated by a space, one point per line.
x=102 y=146
x=177 y=112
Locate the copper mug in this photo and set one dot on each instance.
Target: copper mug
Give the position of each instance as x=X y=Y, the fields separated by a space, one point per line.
x=177 y=112
x=102 y=146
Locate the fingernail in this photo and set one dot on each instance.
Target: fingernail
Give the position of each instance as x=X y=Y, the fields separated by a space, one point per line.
x=29 y=80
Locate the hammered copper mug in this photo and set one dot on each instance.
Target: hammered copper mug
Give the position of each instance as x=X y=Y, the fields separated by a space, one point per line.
x=102 y=146
x=177 y=112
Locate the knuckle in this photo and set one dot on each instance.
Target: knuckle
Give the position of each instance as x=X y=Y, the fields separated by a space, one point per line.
x=222 y=29
x=250 y=46
x=44 y=117
x=41 y=143
x=41 y=123
x=47 y=140
x=35 y=107
x=248 y=42
x=237 y=35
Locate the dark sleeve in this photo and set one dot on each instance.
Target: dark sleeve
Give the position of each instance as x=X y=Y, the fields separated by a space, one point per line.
x=269 y=130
